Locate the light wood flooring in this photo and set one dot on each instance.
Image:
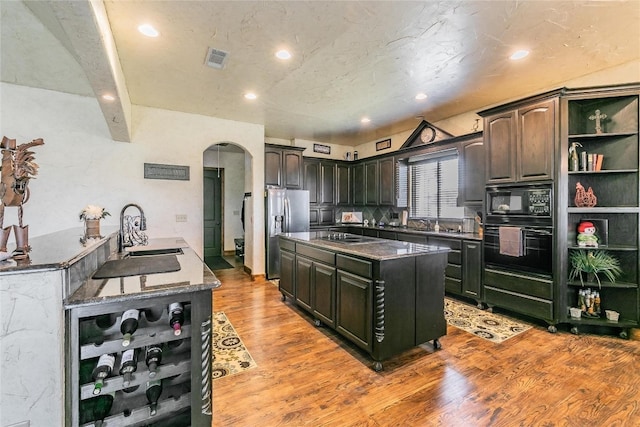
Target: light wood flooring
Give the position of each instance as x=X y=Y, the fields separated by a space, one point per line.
x=308 y=376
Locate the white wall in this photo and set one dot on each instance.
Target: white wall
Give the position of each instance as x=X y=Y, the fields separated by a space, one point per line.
x=80 y=164
x=233 y=165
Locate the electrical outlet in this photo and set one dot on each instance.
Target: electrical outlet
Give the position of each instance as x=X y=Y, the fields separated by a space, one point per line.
x=181 y=218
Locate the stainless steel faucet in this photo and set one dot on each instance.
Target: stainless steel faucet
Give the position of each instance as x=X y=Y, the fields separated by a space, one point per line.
x=127 y=238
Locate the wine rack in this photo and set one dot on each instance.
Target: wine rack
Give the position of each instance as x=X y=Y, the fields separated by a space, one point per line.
x=93 y=329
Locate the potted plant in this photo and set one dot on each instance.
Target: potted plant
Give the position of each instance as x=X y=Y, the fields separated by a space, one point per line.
x=92 y=215
x=593 y=263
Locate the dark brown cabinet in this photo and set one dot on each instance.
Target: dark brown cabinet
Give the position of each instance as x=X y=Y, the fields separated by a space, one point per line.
x=371 y=184
x=359 y=184
x=472 y=269
x=387 y=188
x=520 y=142
x=287 y=270
x=343 y=185
x=283 y=166
x=354 y=308
x=472 y=171
x=320 y=180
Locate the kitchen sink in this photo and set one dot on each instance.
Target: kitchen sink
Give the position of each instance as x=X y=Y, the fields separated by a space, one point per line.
x=347 y=238
x=137 y=266
x=149 y=252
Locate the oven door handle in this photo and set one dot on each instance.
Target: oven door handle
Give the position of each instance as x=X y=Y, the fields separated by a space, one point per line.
x=538 y=231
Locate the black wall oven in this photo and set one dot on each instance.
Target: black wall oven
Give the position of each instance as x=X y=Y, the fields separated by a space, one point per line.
x=527 y=212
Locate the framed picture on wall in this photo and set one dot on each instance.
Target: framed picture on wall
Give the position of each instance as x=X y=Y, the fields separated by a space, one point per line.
x=319 y=148
x=383 y=145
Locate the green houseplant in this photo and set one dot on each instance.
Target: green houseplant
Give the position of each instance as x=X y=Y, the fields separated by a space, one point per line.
x=593 y=263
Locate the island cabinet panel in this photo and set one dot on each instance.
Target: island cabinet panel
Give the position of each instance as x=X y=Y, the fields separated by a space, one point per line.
x=304 y=281
x=382 y=305
x=287 y=270
x=354 y=309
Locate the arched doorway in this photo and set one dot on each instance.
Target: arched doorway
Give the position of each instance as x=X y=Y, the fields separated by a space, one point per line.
x=223 y=195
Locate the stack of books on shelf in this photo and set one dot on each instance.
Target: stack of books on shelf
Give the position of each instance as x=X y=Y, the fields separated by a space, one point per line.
x=591 y=162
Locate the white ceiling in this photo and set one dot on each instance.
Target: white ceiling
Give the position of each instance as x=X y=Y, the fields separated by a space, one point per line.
x=350 y=59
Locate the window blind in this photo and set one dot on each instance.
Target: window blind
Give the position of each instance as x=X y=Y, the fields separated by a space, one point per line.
x=434 y=185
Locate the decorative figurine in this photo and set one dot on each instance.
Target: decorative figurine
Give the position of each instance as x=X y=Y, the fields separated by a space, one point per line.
x=587 y=235
x=597 y=117
x=16 y=170
x=584 y=198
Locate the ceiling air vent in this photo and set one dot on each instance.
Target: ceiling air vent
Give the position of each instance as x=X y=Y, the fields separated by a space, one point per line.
x=216 y=58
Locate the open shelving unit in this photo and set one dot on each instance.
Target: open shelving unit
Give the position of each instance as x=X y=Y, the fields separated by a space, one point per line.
x=616 y=187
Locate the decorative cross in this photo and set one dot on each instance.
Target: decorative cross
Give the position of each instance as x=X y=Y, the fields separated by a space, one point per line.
x=597 y=116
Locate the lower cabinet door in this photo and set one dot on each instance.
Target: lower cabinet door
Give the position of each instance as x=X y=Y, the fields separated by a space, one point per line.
x=471 y=268
x=324 y=293
x=304 y=281
x=287 y=273
x=354 y=311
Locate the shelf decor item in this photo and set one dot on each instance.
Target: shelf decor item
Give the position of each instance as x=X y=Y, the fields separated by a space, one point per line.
x=591 y=263
x=92 y=215
x=598 y=117
x=585 y=198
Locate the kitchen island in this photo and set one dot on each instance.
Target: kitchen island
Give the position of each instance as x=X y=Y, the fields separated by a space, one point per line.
x=384 y=296
x=51 y=335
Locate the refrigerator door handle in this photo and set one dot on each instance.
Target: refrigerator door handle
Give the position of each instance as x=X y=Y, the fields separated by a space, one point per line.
x=287 y=216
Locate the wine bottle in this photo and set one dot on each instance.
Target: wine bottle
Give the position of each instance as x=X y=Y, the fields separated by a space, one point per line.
x=102 y=370
x=153 y=358
x=154 y=390
x=128 y=325
x=102 y=407
x=176 y=317
x=128 y=365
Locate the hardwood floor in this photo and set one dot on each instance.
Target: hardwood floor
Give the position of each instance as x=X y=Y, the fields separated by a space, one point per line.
x=308 y=376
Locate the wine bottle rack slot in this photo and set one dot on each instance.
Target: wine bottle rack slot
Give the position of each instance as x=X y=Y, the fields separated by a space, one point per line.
x=140 y=416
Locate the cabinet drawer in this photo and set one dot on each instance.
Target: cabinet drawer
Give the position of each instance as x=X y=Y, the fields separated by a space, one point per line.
x=383 y=234
x=315 y=253
x=447 y=243
x=453 y=270
x=521 y=284
x=413 y=238
x=355 y=266
x=535 y=307
x=453 y=285
x=455 y=257
x=287 y=245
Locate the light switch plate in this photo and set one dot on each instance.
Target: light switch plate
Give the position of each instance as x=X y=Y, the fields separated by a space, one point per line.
x=181 y=218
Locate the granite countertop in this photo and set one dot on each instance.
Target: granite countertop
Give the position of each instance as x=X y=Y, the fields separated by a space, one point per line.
x=56 y=250
x=194 y=275
x=372 y=248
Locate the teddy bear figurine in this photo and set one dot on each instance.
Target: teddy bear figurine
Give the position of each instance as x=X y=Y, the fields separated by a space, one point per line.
x=587 y=235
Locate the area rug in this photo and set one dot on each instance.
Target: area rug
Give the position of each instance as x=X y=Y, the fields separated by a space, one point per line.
x=217 y=263
x=490 y=326
x=230 y=356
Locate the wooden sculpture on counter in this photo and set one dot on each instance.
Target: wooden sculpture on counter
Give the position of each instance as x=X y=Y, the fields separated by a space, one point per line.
x=17 y=168
x=585 y=198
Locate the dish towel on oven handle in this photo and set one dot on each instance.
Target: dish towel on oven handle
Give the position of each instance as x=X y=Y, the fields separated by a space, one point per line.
x=511 y=241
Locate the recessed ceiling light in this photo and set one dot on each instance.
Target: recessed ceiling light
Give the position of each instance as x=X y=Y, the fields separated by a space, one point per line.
x=148 y=30
x=421 y=96
x=250 y=95
x=519 y=54
x=108 y=97
x=283 y=54
x=365 y=120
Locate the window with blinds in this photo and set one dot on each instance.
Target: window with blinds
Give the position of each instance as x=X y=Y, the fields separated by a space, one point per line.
x=433 y=185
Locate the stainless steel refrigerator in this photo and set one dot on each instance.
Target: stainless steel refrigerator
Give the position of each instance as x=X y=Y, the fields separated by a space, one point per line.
x=287 y=211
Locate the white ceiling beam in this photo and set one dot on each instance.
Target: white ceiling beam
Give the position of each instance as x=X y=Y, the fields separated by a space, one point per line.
x=82 y=26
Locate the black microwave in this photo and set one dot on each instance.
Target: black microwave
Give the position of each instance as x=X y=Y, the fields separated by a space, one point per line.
x=533 y=200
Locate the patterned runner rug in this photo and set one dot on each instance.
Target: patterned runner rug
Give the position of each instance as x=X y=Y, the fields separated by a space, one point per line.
x=490 y=326
x=230 y=356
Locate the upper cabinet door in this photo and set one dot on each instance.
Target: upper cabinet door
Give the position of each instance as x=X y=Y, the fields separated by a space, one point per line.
x=311 y=173
x=327 y=182
x=292 y=161
x=500 y=140
x=343 y=187
x=371 y=183
x=273 y=167
x=387 y=175
x=536 y=141
x=472 y=170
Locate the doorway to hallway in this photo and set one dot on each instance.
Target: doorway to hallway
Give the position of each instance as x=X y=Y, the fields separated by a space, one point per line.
x=213 y=217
